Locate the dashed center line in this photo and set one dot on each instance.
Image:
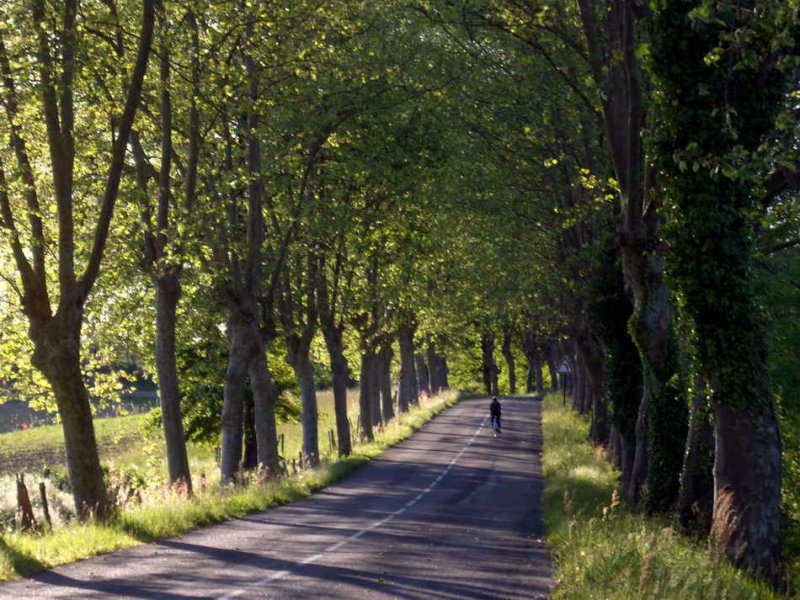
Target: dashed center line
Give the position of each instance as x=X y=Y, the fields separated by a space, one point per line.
x=338 y=545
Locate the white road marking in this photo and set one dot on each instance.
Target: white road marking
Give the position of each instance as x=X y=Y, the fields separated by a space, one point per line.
x=272 y=577
x=335 y=546
x=358 y=534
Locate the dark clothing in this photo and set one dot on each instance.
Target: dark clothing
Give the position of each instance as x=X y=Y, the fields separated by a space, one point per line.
x=494 y=411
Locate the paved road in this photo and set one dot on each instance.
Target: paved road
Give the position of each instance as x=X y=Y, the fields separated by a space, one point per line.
x=452 y=512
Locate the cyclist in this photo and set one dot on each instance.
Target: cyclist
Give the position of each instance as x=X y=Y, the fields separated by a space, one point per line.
x=494 y=411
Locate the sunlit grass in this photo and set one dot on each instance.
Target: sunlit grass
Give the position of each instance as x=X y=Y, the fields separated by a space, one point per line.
x=604 y=549
x=40 y=446
x=164 y=513
x=121 y=442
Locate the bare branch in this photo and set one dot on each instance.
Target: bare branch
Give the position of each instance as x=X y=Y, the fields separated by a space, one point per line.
x=119 y=150
x=782 y=180
x=23 y=266
x=784 y=246
x=23 y=161
x=60 y=144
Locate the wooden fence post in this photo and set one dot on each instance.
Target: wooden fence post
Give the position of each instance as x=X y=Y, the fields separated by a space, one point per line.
x=45 y=505
x=25 y=516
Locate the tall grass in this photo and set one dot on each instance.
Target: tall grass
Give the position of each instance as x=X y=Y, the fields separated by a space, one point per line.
x=164 y=513
x=605 y=549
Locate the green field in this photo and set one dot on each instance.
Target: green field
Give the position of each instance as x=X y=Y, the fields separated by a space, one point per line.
x=135 y=459
x=30 y=450
x=123 y=443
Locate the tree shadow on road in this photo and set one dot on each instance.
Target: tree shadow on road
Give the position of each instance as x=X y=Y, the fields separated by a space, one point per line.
x=22 y=562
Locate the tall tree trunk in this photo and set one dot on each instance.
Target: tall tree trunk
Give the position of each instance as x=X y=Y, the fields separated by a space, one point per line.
x=265 y=399
x=508 y=354
x=366 y=386
x=375 y=388
x=56 y=335
x=539 y=378
x=384 y=361
x=555 y=383
x=445 y=372
x=246 y=282
x=625 y=393
x=529 y=349
x=627 y=457
x=712 y=249
x=57 y=356
x=600 y=421
x=328 y=292
x=664 y=411
x=438 y=370
x=614 y=65
x=570 y=379
x=299 y=357
x=614 y=451
x=588 y=398
x=168 y=292
x=639 y=466
x=747 y=474
x=250 y=442
x=578 y=385
x=423 y=377
x=586 y=405
x=586 y=395
x=553 y=358
x=433 y=371
x=247 y=357
x=611 y=310
x=408 y=393
x=341 y=377
x=696 y=496
x=535 y=380
x=489 y=365
x=594 y=361
x=239 y=356
x=167 y=286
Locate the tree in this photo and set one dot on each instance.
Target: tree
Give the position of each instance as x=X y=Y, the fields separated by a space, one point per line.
x=244 y=263
x=721 y=71
x=298 y=310
x=612 y=41
x=163 y=260
x=59 y=47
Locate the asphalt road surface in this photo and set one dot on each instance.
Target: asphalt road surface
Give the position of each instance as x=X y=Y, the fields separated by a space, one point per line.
x=452 y=512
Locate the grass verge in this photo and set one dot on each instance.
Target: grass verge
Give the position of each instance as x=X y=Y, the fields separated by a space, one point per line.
x=165 y=514
x=605 y=549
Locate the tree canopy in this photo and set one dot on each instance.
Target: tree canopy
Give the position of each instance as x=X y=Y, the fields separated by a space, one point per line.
x=245 y=201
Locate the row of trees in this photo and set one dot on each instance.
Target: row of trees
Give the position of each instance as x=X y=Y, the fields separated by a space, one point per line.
x=273 y=180
x=200 y=188
x=278 y=199
x=684 y=113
